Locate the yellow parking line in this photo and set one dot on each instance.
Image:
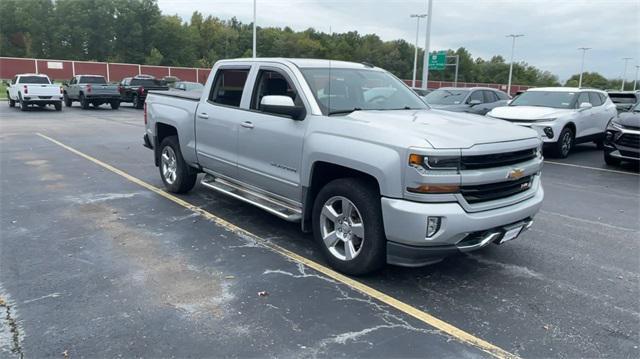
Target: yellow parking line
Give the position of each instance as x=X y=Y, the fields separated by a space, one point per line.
x=591 y=168
x=428 y=319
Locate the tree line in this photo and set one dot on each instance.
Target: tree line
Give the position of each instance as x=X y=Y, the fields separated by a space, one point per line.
x=136 y=31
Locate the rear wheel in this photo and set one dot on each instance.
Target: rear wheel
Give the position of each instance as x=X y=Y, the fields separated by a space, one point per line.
x=137 y=102
x=177 y=176
x=23 y=104
x=564 y=144
x=347 y=225
x=67 y=101
x=84 y=104
x=115 y=105
x=58 y=106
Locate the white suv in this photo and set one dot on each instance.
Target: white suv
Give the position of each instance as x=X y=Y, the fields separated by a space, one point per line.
x=562 y=116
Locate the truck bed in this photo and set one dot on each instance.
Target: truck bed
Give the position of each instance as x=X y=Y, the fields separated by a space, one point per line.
x=185 y=95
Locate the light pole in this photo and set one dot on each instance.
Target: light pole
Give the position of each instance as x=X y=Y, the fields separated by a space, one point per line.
x=425 y=67
x=415 y=56
x=635 y=81
x=624 y=74
x=513 y=46
x=254 y=29
x=584 y=50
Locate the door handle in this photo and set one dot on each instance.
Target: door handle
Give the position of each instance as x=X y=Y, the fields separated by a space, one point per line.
x=247 y=124
x=203 y=115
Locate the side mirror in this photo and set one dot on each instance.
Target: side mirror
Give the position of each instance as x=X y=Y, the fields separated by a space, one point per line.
x=65 y=83
x=282 y=105
x=474 y=102
x=585 y=106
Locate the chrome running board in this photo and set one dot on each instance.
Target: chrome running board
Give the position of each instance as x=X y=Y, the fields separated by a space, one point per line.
x=272 y=205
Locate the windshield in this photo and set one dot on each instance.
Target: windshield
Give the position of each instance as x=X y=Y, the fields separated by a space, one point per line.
x=346 y=90
x=34 y=80
x=146 y=82
x=446 y=97
x=559 y=99
x=92 y=80
x=622 y=97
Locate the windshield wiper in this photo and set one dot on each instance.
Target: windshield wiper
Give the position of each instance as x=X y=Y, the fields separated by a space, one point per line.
x=342 y=112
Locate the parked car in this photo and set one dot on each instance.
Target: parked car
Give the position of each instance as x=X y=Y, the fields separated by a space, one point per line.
x=134 y=89
x=421 y=92
x=622 y=140
x=624 y=100
x=90 y=90
x=170 y=81
x=188 y=86
x=477 y=100
x=352 y=154
x=34 y=89
x=563 y=116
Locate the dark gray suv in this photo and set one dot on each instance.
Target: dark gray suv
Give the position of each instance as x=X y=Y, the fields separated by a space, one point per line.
x=478 y=100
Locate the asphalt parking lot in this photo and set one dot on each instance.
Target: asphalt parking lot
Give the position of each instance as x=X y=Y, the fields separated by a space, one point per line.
x=94 y=264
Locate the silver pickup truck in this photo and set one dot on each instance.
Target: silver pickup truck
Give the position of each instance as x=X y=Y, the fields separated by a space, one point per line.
x=355 y=156
x=91 y=90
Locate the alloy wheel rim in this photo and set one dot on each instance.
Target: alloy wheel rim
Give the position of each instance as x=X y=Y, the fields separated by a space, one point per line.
x=342 y=228
x=169 y=165
x=566 y=143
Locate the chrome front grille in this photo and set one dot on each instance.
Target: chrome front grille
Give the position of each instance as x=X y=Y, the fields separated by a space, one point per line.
x=493 y=191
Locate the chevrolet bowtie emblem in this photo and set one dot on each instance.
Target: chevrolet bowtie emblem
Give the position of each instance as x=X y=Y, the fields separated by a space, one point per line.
x=515 y=174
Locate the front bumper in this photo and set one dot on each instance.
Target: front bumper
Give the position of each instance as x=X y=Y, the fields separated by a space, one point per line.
x=622 y=143
x=405 y=224
x=549 y=131
x=49 y=100
x=103 y=97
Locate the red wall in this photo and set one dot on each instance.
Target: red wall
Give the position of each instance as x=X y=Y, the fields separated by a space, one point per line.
x=119 y=71
x=9 y=67
x=184 y=74
x=91 y=68
x=158 y=72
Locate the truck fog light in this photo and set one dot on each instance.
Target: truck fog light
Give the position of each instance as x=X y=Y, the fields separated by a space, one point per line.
x=548 y=131
x=433 y=226
x=609 y=136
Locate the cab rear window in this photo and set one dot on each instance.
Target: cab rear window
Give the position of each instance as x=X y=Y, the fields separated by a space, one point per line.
x=34 y=80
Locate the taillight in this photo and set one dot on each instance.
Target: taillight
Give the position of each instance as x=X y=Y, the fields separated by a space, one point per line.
x=145 y=113
x=89 y=88
x=120 y=88
x=61 y=91
x=140 y=90
x=25 y=90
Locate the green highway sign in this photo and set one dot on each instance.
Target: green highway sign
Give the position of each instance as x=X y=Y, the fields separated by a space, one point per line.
x=437 y=60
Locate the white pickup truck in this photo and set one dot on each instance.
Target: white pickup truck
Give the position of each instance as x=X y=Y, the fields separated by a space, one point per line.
x=34 y=89
x=354 y=155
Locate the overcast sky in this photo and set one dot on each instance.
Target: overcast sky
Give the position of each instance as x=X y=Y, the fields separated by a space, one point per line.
x=554 y=29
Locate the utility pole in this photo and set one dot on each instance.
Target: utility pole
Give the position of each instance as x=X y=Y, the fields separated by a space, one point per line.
x=415 y=56
x=624 y=74
x=455 y=79
x=513 y=46
x=254 y=28
x=425 y=67
x=635 y=82
x=584 y=50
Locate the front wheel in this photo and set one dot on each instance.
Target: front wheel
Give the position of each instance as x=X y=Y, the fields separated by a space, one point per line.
x=347 y=226
x=564 y=144
x=137 y=103
x=177 y=176
x=115 y=105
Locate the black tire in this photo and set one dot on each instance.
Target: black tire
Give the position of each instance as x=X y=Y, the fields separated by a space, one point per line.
x=599 y=144
x=185 y=176
x=58 y=106
x=84 y=104
x=23 y=104
x=12 y=103
x=365 y=197
x=67 y=101
x=137 y=103
x=565 y=143
x=610 y=160
x=115 y=105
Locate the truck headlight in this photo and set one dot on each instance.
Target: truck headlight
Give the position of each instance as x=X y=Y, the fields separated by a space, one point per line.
x=435 y=162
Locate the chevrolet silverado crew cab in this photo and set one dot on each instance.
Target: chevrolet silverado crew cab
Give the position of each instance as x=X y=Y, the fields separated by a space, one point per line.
x=354 y=155
x=91 y=90
x=34 y=89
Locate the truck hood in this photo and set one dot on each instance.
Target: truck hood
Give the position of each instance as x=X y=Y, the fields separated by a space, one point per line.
x=629 y=119
x=528 y=112
x=443 y=129
x=455 y=108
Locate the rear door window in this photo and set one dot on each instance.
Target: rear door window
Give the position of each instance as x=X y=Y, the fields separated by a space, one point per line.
x=595 y=99
x=476 y=95
x=489 y=96
x=228 y=86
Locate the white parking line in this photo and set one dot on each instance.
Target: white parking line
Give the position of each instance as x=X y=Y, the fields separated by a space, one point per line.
x=592 y=168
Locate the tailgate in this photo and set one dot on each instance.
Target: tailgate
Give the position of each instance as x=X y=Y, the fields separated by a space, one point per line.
x=43 y=90
x=104 y=90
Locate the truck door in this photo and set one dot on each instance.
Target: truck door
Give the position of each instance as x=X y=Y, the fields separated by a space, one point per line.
x=218 y=118
x=270 y=145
